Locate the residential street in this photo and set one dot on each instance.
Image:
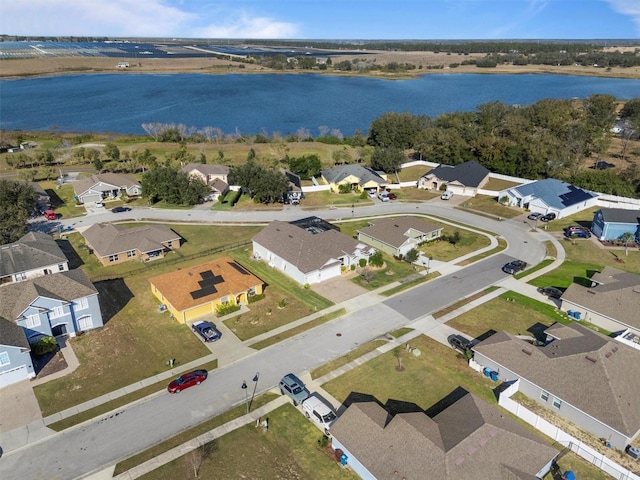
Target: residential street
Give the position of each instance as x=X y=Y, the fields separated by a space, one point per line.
x=82 y=450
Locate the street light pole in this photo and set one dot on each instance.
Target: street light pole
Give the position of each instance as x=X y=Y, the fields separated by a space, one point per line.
x=255 y=385
x=246 y=398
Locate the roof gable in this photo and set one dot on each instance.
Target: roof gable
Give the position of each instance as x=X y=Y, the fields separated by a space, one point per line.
x=109 y=180
x=109 y=239
x=395 y=231
x=554 y=193
x=362 y=175
x=468 y=174
x=620 y=215
x=34 y=250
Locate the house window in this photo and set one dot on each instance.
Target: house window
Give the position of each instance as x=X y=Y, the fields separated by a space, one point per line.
x=61 y=267
x=56 y=312
x=544 y=396
x=169 y=244
x=557 y=402
x=131 y=253
x=21 y=276
x=33 y=321
x=4 y=359
x=82 y=304
x=85 y=323
x=224 y=300
x=113 y=258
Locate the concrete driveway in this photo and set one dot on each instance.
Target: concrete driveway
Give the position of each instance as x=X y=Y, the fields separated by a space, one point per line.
x=18 y=406
x=339 y=289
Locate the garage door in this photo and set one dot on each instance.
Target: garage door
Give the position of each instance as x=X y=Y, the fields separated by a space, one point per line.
x=14 y=376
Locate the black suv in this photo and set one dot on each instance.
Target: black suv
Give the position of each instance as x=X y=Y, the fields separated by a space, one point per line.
x=458 y=342
x=514 y=267
x=293 y=387
x=548 y=217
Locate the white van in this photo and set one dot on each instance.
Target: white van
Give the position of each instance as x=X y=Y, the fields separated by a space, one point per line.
x=446 y=195
x=319 y=412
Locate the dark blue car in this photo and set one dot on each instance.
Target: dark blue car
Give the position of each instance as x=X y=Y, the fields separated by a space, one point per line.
x=577 y=234
x=207 y=331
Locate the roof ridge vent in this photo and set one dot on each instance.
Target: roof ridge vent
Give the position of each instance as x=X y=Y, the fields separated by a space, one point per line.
x=591 y=359
x=527 y=351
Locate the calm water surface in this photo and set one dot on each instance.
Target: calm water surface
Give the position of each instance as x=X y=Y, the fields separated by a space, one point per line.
x=269 y=103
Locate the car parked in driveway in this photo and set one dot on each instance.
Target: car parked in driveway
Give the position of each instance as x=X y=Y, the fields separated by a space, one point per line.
x=534 y=216
x=392 y=196
x=578 y=234
x=384 y=197
x=207 y=330
x=576 y=228
x=120 y=209
x=294 y=388
x=551 y=292
x=514 y=267
x=319 y=412
x=187 y=380
x=548 y=217
x=458 y=342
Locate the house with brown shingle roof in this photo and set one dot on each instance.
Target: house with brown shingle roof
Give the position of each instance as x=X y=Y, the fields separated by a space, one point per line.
x=194 y=292
x=467 y=440
x=33 y=255
x=591 y=380
x=216 y=176
x=308 y=255
x=611 y=302
x=397 y=235
x=116 y=243
x=106 y=186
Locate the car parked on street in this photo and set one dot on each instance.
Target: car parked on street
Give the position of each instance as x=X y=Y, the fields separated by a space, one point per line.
x=294 y=388
x=319 y=412
x=120 y=209
x=514 y=267
x=458 y=342
x=207 y=330
x=551 y=292
x=534 y=216
x=187 y=380
x=548 y=217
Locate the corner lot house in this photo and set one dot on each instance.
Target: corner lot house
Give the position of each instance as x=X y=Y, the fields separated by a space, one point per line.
x=463 y=179
x=216 y=176
x=53 y=305
x=549 y=196
x=397 y=235
x=116 y=243
x=33 y=255
x=587 y=378
x=612 y=223
x=309 y=252
x=467 y=440
x=356 y=176
x=106 y=186
x=196 y=291
x=611 y=302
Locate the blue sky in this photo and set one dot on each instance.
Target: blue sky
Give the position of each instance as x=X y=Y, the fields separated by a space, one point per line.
x=325 y=19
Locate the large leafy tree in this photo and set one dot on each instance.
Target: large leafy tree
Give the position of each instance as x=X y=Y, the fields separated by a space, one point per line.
x=16 y=199
x=262 y=184
x=387 y=159
x=306 y=166
x=170 y=185
x=398 y=130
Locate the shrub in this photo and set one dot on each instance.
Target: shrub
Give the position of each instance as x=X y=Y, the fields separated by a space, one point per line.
x=256 y=298
x=44 y=345
x=362 y=262
x=307 y=286
x=226 y=309
x=353 y=266
x=376 y=259
x=282 y=303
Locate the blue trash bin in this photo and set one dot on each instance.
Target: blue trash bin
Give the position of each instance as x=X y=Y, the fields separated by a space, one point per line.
x=343 y=459
x=487 y=372
x=494 y=376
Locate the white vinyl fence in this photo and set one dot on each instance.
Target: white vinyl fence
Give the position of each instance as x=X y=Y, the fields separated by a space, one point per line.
x=580 y=448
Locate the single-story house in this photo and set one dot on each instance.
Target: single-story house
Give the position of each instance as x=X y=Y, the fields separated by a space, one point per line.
x=549 y=196
x=294 y=188
x=611 y=302
x=590 y=380
x=216 y=176
x=62 y=304
x=612 y=223
x=33 y=255
x=105 y=186
x=117 y=243
x=356 y=176
x=308 y=253
x=397 y=235
x=193 y=292
x=462 y=179
x=467 y=439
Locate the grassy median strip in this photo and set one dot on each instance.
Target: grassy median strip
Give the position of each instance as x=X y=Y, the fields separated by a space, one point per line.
x=349 y=357
x=117 y=402
x=409 y=284
x=267 y=342
x=464 y=301
x=192 y=433
x=529 y=271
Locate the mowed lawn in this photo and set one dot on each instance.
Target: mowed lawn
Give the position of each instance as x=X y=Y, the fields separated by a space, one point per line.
x=490 y=205
x=290 y=449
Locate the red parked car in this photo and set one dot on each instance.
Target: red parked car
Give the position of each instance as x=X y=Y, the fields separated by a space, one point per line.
x=187 y=380
x=50 y=215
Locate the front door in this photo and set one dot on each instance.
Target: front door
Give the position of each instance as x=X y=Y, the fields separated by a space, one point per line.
x=59 y=330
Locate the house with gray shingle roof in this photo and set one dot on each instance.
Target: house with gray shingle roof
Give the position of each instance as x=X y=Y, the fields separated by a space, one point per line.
x=216 y=176
x=590 y=380
x=356 y=176
x=105 y=186
x=612 y=301
x=308 y=255
x=33 y=255
x=116 y=243
x=51 y=305
x=462 y=179
x=468 y=439
x=549 y=196
x=397 y=235
x=613 y=223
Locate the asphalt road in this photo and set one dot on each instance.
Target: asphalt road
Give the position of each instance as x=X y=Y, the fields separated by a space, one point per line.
x=82 y=450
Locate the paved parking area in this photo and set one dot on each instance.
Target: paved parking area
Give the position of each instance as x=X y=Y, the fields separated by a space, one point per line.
x=338 y=289
x=18 y=406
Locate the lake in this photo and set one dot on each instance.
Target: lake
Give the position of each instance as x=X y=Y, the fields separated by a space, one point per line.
x=257 y=103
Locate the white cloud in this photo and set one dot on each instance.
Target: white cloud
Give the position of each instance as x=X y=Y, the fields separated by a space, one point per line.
x=630 y=8
x=134 y=18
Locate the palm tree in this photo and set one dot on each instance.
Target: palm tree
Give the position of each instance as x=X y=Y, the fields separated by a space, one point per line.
x=627 y=238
